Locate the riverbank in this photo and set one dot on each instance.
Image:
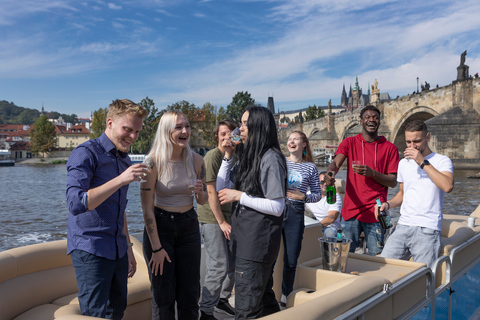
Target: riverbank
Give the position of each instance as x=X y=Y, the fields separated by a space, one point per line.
x=55 y=160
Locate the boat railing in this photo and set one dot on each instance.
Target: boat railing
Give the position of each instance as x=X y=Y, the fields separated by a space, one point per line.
x=358 y=311
x=460 y=260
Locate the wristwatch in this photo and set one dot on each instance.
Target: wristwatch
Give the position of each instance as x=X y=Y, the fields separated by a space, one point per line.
x=425 y=163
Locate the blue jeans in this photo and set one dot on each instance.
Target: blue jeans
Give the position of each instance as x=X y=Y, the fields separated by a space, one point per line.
x=293 y=228
x=352 y=229
x=180 y=236
x=102 y=284
x=420 y=243
x=254 y=295
x=220 y=265
x=329 y=231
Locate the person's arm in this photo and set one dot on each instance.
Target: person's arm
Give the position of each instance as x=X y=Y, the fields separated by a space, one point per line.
x=443 y=180
x=333 y=167
x=147 y=195
x=223 y=175
x=98 y=195
x=330 y=218
x=387 y=180
x=132 y=264
x=200 y=190
x=395 y=202
x=214 y=203
x=273 y=207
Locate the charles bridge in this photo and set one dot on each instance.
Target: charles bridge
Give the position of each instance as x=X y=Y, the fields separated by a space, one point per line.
x=452 y=114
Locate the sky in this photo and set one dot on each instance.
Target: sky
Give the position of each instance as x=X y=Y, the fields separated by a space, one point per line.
x=75 y=56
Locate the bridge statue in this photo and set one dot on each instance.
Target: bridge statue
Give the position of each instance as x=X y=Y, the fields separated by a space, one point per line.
x=462 y=58
x=462 y=69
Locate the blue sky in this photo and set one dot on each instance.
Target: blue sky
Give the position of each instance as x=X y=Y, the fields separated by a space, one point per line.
x=77 y=56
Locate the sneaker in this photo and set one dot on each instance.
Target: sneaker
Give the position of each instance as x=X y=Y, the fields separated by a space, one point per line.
x=224 y=307
x=283 y=301
x=204 y=316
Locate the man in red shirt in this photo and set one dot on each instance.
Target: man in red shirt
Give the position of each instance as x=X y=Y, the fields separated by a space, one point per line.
x=375 y=171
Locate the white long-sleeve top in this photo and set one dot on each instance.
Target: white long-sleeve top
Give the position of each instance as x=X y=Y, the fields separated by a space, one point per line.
x=268 y=206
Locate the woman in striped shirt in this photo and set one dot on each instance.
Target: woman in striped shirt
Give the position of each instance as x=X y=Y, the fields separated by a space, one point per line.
x=302 y=175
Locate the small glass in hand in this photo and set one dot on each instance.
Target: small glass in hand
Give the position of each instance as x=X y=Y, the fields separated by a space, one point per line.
x=235 y=135
x=191 y=185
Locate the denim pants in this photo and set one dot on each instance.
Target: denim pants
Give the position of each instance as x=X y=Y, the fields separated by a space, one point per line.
x=220 y=267
x=420 y=243
x=293 y=228
x=102 y=284
x=254 y=295
x=352 y=229
x=180 y=236
x=329 y=231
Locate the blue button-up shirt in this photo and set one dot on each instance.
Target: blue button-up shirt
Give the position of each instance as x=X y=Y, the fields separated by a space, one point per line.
x=98 y=231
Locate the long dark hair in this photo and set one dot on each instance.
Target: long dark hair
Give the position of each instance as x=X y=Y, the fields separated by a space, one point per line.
x=262 y=136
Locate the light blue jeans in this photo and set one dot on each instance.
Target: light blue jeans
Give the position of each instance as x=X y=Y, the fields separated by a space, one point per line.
x=352 y=229
x=220 y=267
x=420 y=243
x=329 y=231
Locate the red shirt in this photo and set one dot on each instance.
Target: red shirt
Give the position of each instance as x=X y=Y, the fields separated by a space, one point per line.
x=361 y=191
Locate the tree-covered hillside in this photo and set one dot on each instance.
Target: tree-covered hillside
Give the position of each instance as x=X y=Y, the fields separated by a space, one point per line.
x=12 y=114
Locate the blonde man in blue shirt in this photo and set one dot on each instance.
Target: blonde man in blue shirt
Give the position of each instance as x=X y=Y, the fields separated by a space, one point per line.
x=98 y=174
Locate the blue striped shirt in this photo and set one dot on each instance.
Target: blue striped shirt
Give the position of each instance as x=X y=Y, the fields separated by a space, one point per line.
x=303 y=176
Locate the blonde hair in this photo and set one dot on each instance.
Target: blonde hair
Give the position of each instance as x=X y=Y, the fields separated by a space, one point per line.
x=121 y=106
x=162 y=147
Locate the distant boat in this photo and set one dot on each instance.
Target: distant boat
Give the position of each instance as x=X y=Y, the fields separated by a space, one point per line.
x=5 y=160
x=137 y=158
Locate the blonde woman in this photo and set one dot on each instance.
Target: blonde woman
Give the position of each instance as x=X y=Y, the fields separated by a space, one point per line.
x=171 y=240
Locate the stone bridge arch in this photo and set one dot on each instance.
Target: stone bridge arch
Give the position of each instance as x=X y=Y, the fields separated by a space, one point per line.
x=350 y=125
x=422 y=113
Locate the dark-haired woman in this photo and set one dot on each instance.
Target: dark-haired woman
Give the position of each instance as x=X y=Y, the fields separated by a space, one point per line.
x=259 y=178
x=302 y=175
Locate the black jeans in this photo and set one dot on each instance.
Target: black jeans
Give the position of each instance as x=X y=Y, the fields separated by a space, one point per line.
x=254 y=295
x=180 y=236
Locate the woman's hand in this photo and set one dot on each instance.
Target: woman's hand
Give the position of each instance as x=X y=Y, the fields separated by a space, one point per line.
x=157 y=260
x=295 y=194
x=229 y=195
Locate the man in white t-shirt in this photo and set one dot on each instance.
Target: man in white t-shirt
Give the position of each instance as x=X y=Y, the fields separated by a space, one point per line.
x=424 y=177
x=327 y=214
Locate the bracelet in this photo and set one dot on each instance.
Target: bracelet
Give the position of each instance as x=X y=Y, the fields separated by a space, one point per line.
x=130 y=244
x=155 y=251
x=388 y=204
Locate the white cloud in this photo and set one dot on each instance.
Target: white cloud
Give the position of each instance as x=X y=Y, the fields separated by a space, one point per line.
x=199 y=15
x=113 y=6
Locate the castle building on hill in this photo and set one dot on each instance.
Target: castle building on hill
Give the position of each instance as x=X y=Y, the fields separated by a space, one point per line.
x=356 y=99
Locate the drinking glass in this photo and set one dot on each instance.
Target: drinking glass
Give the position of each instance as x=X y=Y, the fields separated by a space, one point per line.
x=355 y=163
x=235 y=135
x=146 y=170
x=191 y=185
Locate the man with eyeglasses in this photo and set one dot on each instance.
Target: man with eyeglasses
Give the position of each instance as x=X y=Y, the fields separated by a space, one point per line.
x=327 y=214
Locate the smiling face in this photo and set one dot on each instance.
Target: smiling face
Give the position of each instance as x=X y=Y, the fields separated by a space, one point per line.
x=123 y=130
x=223 y=132
x=418 y=140
x=295 y=143
x=370 y=122
x=243 y=127
x=181 y=132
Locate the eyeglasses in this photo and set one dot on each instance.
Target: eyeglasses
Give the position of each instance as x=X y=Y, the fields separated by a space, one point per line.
x=322 y=182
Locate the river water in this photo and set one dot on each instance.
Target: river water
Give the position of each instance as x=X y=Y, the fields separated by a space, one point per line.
x=33 y=207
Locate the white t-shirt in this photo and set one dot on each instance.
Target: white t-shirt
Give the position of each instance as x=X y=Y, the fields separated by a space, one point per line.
x=321 y=208
x=422 y=199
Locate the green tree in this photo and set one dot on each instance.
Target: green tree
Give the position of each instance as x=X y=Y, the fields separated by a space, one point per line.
x=320 y=113
x=150 y=124
x=207 y=126
x=240 y=102
x=186 y=108
x=99 y=123
x=311 y=113
x=43 y=137
x=221 y=114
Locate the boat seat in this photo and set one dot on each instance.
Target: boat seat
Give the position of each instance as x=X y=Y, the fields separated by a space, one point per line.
x=38 y=282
